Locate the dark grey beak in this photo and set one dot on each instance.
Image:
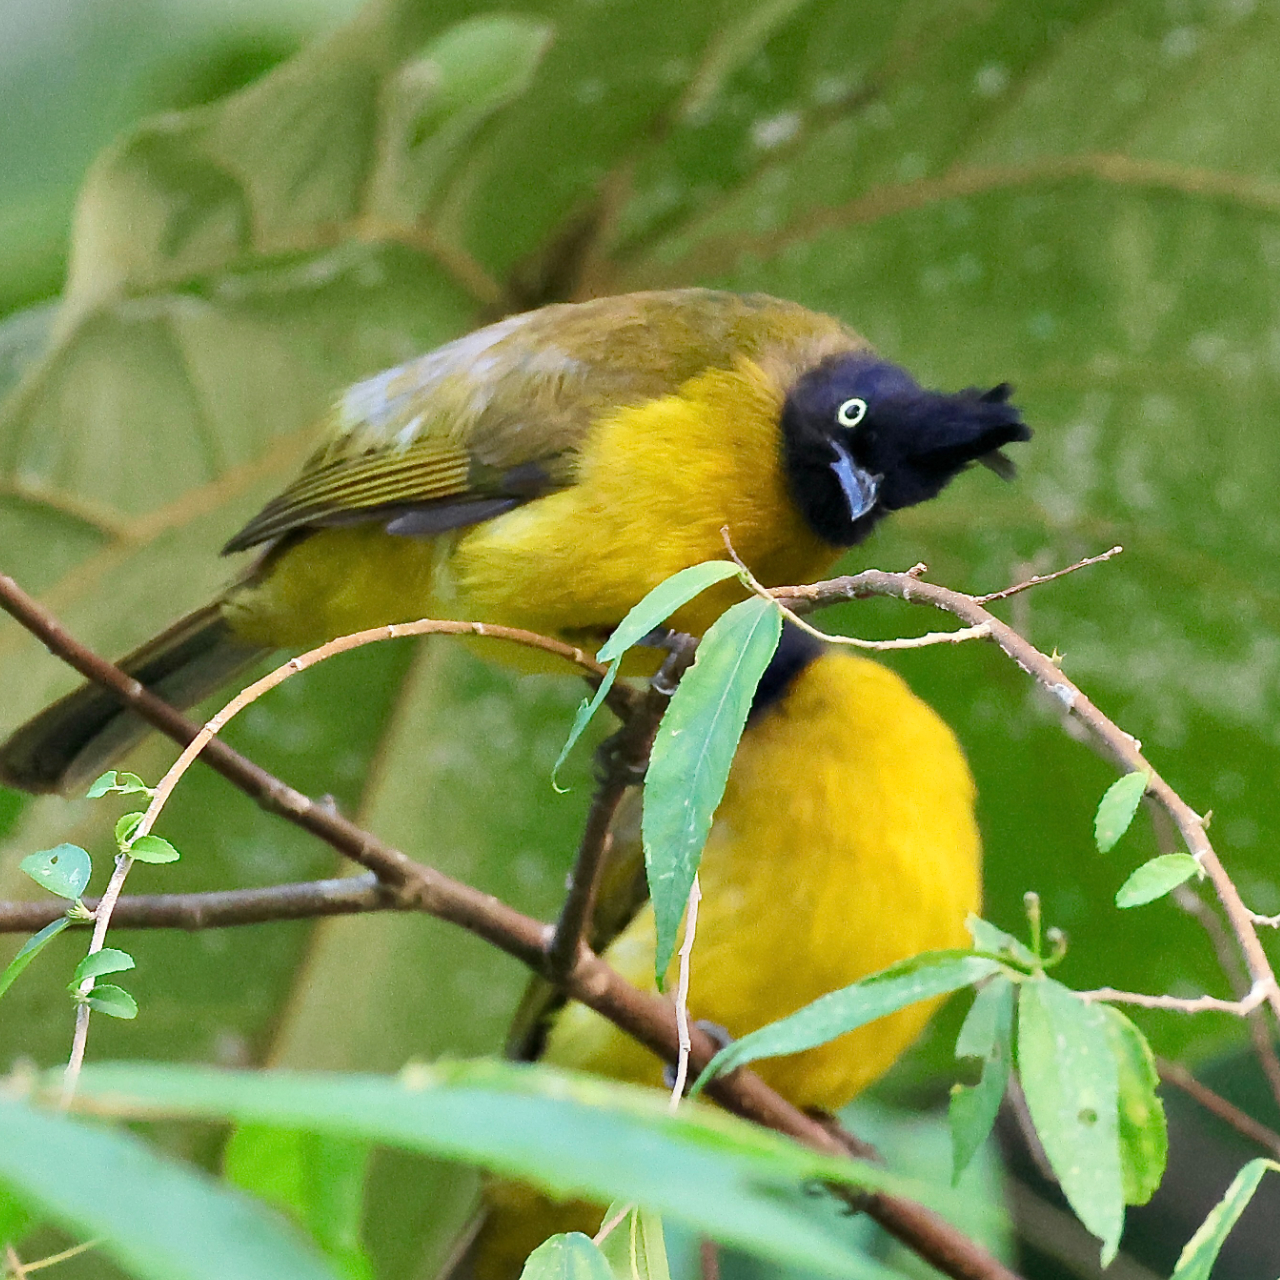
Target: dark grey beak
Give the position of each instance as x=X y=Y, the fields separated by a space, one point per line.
x=860 y=487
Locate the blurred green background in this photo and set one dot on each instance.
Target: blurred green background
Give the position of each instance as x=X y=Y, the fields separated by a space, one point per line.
x=1080 y=197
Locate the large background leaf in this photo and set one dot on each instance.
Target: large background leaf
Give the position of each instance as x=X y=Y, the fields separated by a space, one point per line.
x=1080 y=197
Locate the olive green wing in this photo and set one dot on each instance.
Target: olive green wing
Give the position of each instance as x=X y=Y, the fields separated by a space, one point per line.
x=622 y=891
x=496 y=418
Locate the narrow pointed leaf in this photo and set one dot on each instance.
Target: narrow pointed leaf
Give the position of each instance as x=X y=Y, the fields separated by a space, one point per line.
x=1068 y=1072
x=986 y=937
x=569 y=1134
x=158 y=1219
x=1155 y=878
x=662 y=602
x=934 y=973
x=1144 y=1137
x=63 y=870
x=987 y=1034
x=1201 y=1251
x=1116 y=809
x=30 y=949
x=692 y=755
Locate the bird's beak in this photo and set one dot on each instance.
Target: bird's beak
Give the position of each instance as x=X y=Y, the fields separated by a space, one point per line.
x=860 y=487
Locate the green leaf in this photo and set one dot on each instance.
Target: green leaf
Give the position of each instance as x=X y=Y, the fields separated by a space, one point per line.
x=64 y=870
x=30 y=949
x=692 y=753
x=114 y=1001
x=1144 y=1136
x=934 y=973
x=1196 y=1260
x=158 y=1219
x=152 y=849
x=661 y=603
x=987 y=1034
x=1155 y=878
x=319 y=1179
x=15 y=1220
x=1068 y=1072
x=111 y=781
x=1116 y=809
x=566 y=1257
x=108 y=960
x=643 y=618
x=986 y=937
x=103 y=783
x=636 y=1249
x=126 y=825
x=569 y=1134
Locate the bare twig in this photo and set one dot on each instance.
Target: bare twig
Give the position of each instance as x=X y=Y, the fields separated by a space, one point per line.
x=1036 y=579
x=1240 y=1121
x=1120 y=747
x=246 y=697
x=1179 y=1004
x=347 y=895
x=647 y=1019
x=682 y=994
x=623 y=759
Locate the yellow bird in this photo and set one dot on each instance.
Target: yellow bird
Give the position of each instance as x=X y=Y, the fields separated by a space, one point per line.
x=546 y=472
x=845 y=842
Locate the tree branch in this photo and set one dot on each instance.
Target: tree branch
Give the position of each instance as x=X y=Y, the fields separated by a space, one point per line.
x=1123 y=749
x=412 y=885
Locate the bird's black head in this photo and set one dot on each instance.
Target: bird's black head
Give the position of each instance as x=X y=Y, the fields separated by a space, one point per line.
x=861 y=438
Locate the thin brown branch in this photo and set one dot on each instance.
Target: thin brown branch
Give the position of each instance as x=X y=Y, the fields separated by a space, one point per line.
x=648 y=1019
x=349 y=895
x=623 y=759
x=1178 y=1004
x=1243 y=1123
x=1120 y=747
x=1036 y=579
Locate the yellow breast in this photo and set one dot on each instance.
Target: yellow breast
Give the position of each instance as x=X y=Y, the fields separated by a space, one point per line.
x=654 y=486
x=846 y=841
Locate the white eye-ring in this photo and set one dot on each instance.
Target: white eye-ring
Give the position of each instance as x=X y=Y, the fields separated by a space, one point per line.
x=851 y=412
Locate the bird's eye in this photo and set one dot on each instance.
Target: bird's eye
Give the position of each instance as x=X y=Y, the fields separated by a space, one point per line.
x=851 y=412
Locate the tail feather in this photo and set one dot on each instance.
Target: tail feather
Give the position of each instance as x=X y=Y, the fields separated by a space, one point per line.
x=72 y=741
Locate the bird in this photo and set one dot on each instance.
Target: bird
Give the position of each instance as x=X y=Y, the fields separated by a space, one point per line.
x=546 y=472
x=846 y=841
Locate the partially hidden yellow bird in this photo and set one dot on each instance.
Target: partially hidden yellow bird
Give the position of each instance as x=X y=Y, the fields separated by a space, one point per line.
x=546 y=472
x=845 y=842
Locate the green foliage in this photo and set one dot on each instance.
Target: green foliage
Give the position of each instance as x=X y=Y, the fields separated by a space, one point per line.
x=108 y=960
x=29 y=950
x=1201 y=1251
x=569 y=1134
x=1116 y=810
x=1144 y=1138
x=987 y=1034
x=64 y=870
x=643 y=618
x=159 y=1220
x=636 y=1248
x=113 y=782
x=934 y=973
x=1155 y=878
x=692 y=753
x=151 y=849
x=567 y=1257
x=319 y=1179
x=115 y=1002
x=1068 y=1073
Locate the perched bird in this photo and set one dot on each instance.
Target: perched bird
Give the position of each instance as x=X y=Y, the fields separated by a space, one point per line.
x=546 y=472
x=845 y=842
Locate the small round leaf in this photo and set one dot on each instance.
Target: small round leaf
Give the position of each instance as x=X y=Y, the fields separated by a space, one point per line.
x=114 y=1001
x=63 y=870
x=152 y=849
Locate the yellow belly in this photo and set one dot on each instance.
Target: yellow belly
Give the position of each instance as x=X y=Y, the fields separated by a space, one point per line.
x=846 y=841
x=655 y=485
